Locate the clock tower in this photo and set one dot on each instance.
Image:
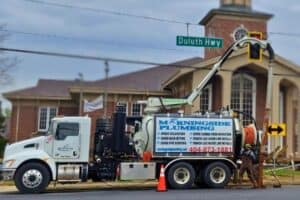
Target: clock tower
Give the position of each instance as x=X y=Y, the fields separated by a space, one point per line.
x=231 y=21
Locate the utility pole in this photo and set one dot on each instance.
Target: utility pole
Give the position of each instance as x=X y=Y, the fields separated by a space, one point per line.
x=106 y=70
x=80 y=79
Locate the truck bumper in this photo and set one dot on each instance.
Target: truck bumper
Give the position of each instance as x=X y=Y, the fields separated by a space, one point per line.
x=6 y=174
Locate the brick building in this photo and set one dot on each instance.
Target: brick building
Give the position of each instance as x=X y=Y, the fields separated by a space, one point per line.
x=240 y=84
x=33 y=108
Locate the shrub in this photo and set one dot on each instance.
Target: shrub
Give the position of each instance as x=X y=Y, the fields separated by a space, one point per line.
x=2 y=146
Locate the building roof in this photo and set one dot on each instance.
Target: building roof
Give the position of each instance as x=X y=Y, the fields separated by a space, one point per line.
x=150 y=80
x=45 y=88
x=236 y=11
x=207 y=64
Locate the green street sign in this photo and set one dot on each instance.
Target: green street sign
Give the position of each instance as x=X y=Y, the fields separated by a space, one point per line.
x=199 y=42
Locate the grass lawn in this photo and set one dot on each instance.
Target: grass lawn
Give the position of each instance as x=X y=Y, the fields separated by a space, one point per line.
x=7 y=183
x=284 y=172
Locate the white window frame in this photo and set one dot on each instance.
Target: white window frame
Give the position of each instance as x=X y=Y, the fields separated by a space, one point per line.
x=140 y=105
x=209 y=88
x=47 y=119
x=254 y=89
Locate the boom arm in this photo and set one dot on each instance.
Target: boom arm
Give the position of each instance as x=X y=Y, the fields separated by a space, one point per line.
x=154 y=104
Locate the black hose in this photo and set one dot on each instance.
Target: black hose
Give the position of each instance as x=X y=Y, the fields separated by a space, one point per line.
x=271 y=52
x=162 y=104
x=148 y=136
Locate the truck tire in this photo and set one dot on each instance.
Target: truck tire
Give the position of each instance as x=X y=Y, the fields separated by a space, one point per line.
x=216 y=175
x=32 y=178
x=181 y=175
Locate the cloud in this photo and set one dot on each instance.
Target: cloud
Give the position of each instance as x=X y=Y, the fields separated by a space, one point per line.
x=85 y=24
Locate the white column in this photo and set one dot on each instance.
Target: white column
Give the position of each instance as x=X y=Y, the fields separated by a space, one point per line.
x=226 y=88
x=275 y=109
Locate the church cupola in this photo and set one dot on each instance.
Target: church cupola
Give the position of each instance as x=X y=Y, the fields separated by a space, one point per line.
x=231 y=21
x=246 y=4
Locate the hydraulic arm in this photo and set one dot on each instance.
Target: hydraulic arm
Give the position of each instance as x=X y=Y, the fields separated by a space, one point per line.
x=155 y=104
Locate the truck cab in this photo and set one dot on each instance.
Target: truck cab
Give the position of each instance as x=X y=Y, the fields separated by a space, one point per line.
x=33 y=163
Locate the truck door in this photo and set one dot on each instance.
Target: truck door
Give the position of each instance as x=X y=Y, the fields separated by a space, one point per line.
x=67 y=141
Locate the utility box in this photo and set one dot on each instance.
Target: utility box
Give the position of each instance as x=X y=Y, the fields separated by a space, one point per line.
x=137 y=170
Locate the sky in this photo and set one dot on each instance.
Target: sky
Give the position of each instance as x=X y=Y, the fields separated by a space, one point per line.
x=82 y=31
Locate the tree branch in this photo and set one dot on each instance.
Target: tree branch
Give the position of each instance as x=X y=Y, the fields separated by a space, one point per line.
x=7 y=64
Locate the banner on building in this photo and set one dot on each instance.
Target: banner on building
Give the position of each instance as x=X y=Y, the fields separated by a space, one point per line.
x=96 y=104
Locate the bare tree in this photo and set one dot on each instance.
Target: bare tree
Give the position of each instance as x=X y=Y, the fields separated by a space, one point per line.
x=7 y=63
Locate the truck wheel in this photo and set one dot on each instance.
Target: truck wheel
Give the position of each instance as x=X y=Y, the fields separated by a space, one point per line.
x=32 y=178
x=217 y=175
x=181 y=175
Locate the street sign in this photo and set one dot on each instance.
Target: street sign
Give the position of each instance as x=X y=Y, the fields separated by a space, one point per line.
x=199 y=42
x=277 y=130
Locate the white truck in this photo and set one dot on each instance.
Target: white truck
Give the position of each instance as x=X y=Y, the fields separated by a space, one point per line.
x=200 y=148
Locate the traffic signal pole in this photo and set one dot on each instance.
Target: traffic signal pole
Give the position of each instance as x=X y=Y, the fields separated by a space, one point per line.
x=267 y=117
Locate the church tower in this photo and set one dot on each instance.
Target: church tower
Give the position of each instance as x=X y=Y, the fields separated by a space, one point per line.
x=231 y=21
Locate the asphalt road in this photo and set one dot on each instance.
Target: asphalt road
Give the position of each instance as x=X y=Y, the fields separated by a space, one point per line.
x=290 y=193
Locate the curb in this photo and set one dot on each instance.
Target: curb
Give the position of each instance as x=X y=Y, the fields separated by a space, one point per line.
x=90 y=186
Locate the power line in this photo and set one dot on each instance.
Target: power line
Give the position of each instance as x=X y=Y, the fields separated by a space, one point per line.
x=164 y=20
x=285 y=34
x=118 y=60
x=108 y=43
x=89 y=57
x=112 y=12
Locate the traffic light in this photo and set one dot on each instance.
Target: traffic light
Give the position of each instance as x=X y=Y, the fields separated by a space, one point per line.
x=254 y=50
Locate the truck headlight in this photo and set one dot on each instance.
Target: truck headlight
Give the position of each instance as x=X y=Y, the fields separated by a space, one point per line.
x=9 y=163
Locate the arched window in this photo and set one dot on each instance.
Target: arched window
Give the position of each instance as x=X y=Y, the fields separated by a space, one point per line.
x=243 y=96
x=206 y=99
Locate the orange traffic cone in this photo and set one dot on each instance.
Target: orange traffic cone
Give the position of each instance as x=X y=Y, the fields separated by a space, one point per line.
x=161 y=186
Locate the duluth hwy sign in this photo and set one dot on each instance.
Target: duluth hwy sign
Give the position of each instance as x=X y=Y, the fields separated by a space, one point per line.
x=199 y=42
